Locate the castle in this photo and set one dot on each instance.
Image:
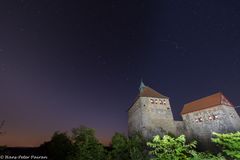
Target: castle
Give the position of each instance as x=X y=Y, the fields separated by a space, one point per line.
x=151 y=114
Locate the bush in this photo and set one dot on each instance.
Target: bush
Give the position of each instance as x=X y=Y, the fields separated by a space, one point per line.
x=230 y=143
x=169 y=148
x=133 y=148
x=59 y=147
x=86 y=146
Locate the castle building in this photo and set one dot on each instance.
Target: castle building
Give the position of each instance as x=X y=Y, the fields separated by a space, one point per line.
x=151 y=114
x=214 y=113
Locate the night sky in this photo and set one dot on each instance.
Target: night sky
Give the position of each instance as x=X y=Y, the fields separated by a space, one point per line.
x=69 y=63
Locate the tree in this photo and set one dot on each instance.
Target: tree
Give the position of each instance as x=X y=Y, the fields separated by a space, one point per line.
x=205 y=156
x=132 y=148
x=230 y=143
x=137 y=147
x=2 y=148
x=59 y=147
x=119 y=147
x=86 y=145
x=169 y=148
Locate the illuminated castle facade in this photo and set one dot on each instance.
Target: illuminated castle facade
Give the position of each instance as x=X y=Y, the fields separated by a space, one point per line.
x=151 y=114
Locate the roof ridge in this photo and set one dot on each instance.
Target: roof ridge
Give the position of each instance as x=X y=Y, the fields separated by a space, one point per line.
x=203 y=97
x=149 y=92
x=204 y=103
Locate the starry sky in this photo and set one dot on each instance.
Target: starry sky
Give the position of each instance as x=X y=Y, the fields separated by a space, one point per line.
x=69 y=63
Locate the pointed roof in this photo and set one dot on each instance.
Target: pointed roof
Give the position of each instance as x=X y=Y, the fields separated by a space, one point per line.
x=145 y=91
x=206 y=102
x=149 y=92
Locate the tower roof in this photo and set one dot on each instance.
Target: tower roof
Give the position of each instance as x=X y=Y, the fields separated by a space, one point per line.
x=206 y=102
x=149 y=92
x=145 y=91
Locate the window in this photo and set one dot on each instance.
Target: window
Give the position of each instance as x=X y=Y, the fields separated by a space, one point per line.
x=215 y=117
x=161 y=102
x=152 y=101
x=164 y=102
x=232 y=115
x=199 y=119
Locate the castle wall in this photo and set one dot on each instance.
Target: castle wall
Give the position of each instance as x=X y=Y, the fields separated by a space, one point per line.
x=151 y=116
x=135 y=118
x=180 y=128
x=201 y=124
x=233 y=116
x=157 y=117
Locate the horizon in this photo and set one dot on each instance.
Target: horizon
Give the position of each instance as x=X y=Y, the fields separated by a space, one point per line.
x=104 y=142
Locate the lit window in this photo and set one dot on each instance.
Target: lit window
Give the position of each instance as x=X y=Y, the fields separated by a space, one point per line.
x=156 y=101
x=152 y=101
x=210 y=117
x=160 y=101
x=215 y=117
x=164 y=102
x=200 y=119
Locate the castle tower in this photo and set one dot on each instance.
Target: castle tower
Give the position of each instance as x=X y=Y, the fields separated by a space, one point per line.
x=150 y=114
x=214 y=113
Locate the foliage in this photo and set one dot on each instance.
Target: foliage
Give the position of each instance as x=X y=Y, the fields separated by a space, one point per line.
x=119 y=147
x=83 y=145
x=3 y=150
x=137 y=147
x=133 y=148
x=86 y=145
x=59 y=147
x=230 y=143
x=205 y=156
x=169 y=148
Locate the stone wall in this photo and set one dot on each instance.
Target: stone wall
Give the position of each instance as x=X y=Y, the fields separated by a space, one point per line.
x=180 y=128
x=135 y=118
x=151 y=116
x=201 y=124
x=233 y=116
